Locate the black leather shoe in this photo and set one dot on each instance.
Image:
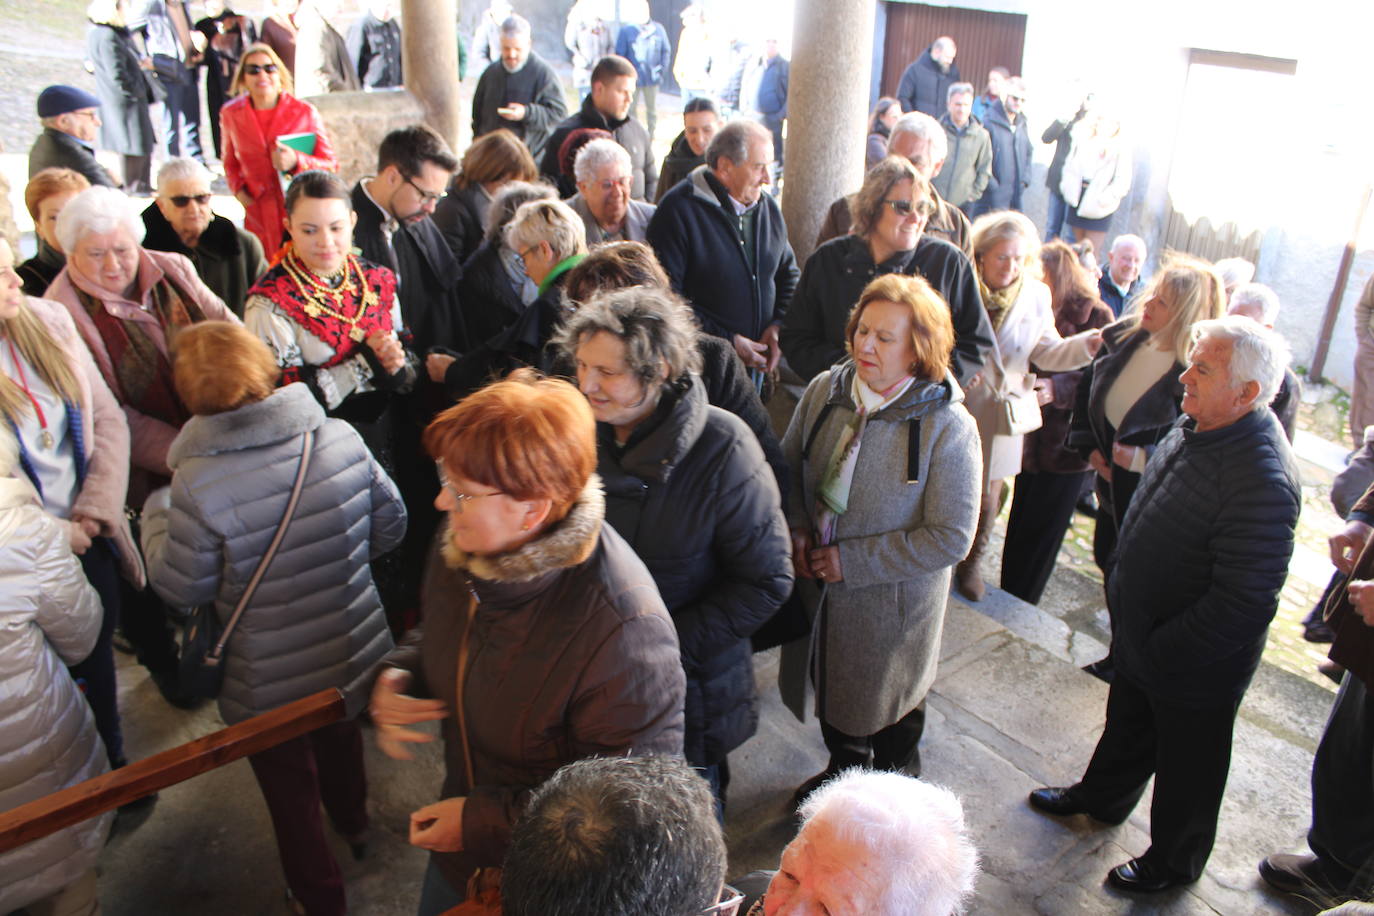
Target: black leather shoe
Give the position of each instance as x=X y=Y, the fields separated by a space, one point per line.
x=1140 y=877
x=811 y=785
x=1305 y=875
x=1062 y=802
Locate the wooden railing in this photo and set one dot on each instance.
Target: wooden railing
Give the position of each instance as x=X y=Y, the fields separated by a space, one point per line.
x=77 y=803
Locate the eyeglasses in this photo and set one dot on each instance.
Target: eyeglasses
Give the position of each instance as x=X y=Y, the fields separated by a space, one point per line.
x=181 y=201
x=459 y=498
x=255 y=69
x=427 y=196
x=909 y=207
x=730 y=901
x=610 y=183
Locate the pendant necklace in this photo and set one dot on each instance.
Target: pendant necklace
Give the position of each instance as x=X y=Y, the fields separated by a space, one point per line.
x=316 y=291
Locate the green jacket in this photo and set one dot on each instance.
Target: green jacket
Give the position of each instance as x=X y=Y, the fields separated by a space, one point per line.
x=968 y=165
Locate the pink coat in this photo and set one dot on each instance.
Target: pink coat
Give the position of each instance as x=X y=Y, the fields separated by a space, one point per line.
x=248 y=162
x=151 y=437
x=105 y=434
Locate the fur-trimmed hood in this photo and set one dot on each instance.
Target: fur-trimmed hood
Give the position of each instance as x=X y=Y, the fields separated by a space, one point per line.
x=284 y=414
x=565 y=544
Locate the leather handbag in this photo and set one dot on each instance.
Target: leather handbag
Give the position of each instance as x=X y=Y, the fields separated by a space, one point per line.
x=203 y=642
x=1020 y=410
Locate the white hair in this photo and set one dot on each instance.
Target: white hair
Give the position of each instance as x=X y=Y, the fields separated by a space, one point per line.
x=920 y=124
x=1260 y=296
x=182 y=168
x=1235 y=271
x=1258 y=354
x=916 y=831
x=97 y=210
x=597 y=153
x=1127 y=239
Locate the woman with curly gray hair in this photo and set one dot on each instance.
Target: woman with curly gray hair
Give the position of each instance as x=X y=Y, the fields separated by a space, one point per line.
x=890 y=213
x=687 y=485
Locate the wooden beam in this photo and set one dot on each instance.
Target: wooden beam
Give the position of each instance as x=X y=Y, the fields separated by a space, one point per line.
x=85 y=800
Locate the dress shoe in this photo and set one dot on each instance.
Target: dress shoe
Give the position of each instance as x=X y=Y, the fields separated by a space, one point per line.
x=1104 y=669
x=1140 y=877
x=811 y=785
x=1062 y=802
x=1305 y=875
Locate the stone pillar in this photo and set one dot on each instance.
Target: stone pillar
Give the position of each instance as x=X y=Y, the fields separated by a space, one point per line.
x=429 y=59
x=827 y=111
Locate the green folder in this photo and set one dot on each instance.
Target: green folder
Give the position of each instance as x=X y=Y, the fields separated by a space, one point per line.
x=301 y=143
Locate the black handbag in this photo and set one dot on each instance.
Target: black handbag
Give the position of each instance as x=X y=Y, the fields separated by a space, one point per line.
x=202 y=643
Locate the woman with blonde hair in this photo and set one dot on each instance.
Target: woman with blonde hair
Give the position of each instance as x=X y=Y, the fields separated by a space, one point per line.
x=884 y=495
x=315 y=620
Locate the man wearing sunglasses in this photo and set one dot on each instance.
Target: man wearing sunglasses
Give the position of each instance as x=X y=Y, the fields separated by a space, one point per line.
x=619 y=835
x=228 y=259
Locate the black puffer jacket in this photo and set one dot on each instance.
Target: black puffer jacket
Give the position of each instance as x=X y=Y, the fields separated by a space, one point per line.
x=692 y=494
x=1218 y=510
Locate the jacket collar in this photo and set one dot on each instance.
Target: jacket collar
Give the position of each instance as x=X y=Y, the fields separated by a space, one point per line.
x=284 y=414
x=1246 y=426
x=659 y=444
x=62 y=138
x=592 y=117
x=918 y=400
x=150 y=274
x=681 y=151
x=219 y=238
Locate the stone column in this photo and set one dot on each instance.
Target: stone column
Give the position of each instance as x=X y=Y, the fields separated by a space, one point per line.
x=429 y=60
x=827 y=111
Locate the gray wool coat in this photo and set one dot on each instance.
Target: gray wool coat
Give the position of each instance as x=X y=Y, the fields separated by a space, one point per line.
x=316 y=620
x=876 y=634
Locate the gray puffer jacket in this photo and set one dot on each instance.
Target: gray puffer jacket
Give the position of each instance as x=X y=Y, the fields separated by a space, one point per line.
x=49 y=619
x=316 y=620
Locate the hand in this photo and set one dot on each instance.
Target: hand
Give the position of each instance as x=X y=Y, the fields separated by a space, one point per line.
x=88 y=525
x=512 y=112
x=770 y=340
x=436 y=364
x=1361 y=593
x=1044 y=391
x=825 y=564
x=801 y=553
x=1346 y=546
x=78 y=538
x=388 y=350
x=391 y=709
x=438 y=827
x=284 y=159
x=1094 y=341
x=752 y=353
x=1100 y=465
x=1124 y=455
x=145 y=63
x=243 y=197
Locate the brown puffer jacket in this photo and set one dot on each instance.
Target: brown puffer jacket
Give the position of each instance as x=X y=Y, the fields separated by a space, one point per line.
x=571 y=654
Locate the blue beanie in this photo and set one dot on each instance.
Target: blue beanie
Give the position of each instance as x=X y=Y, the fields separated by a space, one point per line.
x=58 y=100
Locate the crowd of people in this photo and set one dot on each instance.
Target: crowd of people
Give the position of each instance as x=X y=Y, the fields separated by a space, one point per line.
x=482 y=441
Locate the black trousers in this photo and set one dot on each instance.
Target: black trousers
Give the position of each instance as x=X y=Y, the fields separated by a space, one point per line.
x=890 y=748
x=1342 y=833
x=96 y=672
x=1113 y=499
x=1186 y=749
x=1042 y=506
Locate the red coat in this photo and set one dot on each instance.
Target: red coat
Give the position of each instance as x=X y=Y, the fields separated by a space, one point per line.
x=248 y=162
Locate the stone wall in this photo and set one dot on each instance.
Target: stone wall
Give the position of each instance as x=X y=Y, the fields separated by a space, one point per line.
x=357 y=122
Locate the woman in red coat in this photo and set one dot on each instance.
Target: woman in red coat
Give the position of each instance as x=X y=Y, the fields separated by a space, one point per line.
x=254 y=162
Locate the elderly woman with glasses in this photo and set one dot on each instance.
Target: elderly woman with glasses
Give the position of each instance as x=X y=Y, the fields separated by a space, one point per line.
x=544 y=638
x=1006 y=398
x=604 y=176
x=687 y=485
x=890 y=213
x=254 y=127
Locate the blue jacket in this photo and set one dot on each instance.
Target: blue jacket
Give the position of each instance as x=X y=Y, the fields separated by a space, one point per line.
x=772 y=99
x=646 y=46
x=1011 y=160
x=694 y=234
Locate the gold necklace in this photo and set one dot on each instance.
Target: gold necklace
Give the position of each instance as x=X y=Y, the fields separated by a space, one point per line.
x=314 y=291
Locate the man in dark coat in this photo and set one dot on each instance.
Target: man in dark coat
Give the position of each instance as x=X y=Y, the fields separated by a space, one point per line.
x=1011 y=150
x=228 y=259
x=519 y=92
x=1342 y=831
x=925 y=84
x=646 y=46
x=1121 y=280
x=1218 y=504
x=1259 y=303
x=71 y=122
x=607 y=107
x=374 y=45
x=167 y=26
x=700 y=122
x=723 y=244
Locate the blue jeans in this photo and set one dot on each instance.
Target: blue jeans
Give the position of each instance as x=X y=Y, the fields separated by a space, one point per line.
x=436 y=894
x=1055 y=222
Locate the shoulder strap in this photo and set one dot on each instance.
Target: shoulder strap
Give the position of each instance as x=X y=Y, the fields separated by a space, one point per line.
x=815 y=429
x=913 y=450
x=307 y=449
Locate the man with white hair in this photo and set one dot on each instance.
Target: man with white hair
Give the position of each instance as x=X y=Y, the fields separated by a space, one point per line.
x=881 y=844
x=604 y=177
x=925 y=84
x=1217 y=505
x=1121 y=280
x=1260 y=304
x=920 y=140
x=229 y=259
x=519 y=92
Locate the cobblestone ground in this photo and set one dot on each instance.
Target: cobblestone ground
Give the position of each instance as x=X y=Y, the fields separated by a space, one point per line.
x=45 y=43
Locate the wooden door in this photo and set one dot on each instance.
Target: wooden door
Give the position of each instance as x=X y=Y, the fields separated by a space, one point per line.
x=984 y=40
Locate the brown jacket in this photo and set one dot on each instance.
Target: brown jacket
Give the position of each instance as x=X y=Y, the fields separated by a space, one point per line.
x=1354 y=645
x=571 y=654
x=949 y=224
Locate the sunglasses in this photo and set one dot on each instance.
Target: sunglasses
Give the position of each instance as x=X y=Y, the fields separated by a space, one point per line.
x=908 y=207
x=181 y=201
x=255 y=69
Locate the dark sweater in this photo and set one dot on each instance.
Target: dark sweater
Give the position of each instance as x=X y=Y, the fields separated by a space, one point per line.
x=536 y=86
x=628 y=132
